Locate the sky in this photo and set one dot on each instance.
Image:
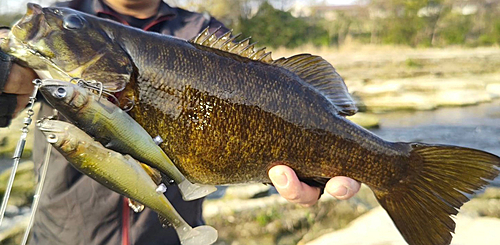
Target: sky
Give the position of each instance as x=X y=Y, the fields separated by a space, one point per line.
x=10 y=6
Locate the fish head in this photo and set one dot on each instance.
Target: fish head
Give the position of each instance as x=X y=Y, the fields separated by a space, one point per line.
x=69 y=44
x=60 y=134
x=67 y=97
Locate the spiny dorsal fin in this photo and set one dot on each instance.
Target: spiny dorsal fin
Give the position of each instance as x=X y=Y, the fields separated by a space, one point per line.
x=320 y=74
x=226 y=43
x=313 y=70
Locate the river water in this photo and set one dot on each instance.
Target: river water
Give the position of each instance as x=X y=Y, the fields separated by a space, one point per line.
x=473 y=126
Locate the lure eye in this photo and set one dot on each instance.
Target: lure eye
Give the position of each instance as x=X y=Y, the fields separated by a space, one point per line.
x=72 y=22
x=60 y=92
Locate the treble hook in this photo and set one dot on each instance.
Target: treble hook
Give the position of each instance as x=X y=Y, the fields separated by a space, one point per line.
x=130 y=101
x=96 y=86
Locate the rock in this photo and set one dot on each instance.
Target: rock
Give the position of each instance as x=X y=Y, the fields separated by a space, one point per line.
x=13 y=233
x=376 y=228
x=424 y=93
x=460 y=97
x=24 y=184
x=407 y=101
x=247 y=191
x=274 y=220
x=493 y=88
x=433 y=84
x=11 y=211
x=378 y=89
x=365 y=120
x=484 y=204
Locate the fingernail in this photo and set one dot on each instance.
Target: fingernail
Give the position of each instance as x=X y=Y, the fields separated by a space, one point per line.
x=280 y=180
x=340 y=191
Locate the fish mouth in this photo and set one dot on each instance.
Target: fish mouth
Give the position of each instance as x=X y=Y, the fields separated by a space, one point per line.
x=34 y=8
x=49 y=126
x=53 y=82
x=32 y=25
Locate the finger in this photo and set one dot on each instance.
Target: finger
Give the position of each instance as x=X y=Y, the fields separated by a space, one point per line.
x=19 y=80
x=291 y=188
x=342 y=187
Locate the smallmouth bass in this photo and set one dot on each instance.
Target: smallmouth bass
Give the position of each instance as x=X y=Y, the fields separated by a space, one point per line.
x=116 y=130
x=122 y=174
x=228 y=113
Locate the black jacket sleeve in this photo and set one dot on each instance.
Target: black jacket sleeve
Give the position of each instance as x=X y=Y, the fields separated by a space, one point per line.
x=7 y=101
x=5 y=65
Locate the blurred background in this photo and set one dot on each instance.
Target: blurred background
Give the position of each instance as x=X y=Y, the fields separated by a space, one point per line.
x=419 y=70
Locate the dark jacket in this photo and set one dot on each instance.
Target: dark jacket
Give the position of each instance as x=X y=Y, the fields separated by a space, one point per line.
x=75 y=209
x=169 y=21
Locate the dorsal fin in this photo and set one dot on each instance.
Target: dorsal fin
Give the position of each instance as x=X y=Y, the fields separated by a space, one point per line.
x=320 y=74
x=312 y=69
x=226 y=43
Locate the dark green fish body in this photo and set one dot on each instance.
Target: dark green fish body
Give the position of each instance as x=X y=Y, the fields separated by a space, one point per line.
x=237 y=129
x=228 y=113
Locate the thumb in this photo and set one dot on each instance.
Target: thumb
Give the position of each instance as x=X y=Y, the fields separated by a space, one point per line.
x=291 y=188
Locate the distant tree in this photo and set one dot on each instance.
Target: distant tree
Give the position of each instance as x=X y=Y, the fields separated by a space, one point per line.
x=227 y=11
x=403 y=22
x=272 y=27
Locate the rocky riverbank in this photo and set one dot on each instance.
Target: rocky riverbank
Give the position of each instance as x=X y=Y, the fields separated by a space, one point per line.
x=273 y=220
x=426 y=92
x=397 y=78
x=360 y=220
x=375 y=227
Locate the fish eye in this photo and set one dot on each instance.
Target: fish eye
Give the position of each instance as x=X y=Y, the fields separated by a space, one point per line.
x=72 y=21
x=60 y=92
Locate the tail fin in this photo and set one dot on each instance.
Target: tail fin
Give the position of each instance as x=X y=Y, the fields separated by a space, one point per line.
x=200 y=235
x=421 y=205
x=192 y=191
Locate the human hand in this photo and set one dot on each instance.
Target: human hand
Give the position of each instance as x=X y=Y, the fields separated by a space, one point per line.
x=18 y=84
x=289 y=186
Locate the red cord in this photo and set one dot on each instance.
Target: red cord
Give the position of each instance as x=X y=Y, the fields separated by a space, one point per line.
x=125 y=222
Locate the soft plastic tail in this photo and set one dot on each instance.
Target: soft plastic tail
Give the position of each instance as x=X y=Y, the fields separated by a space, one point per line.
x=192 y=191
x=201 y=235
x=421 y=204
